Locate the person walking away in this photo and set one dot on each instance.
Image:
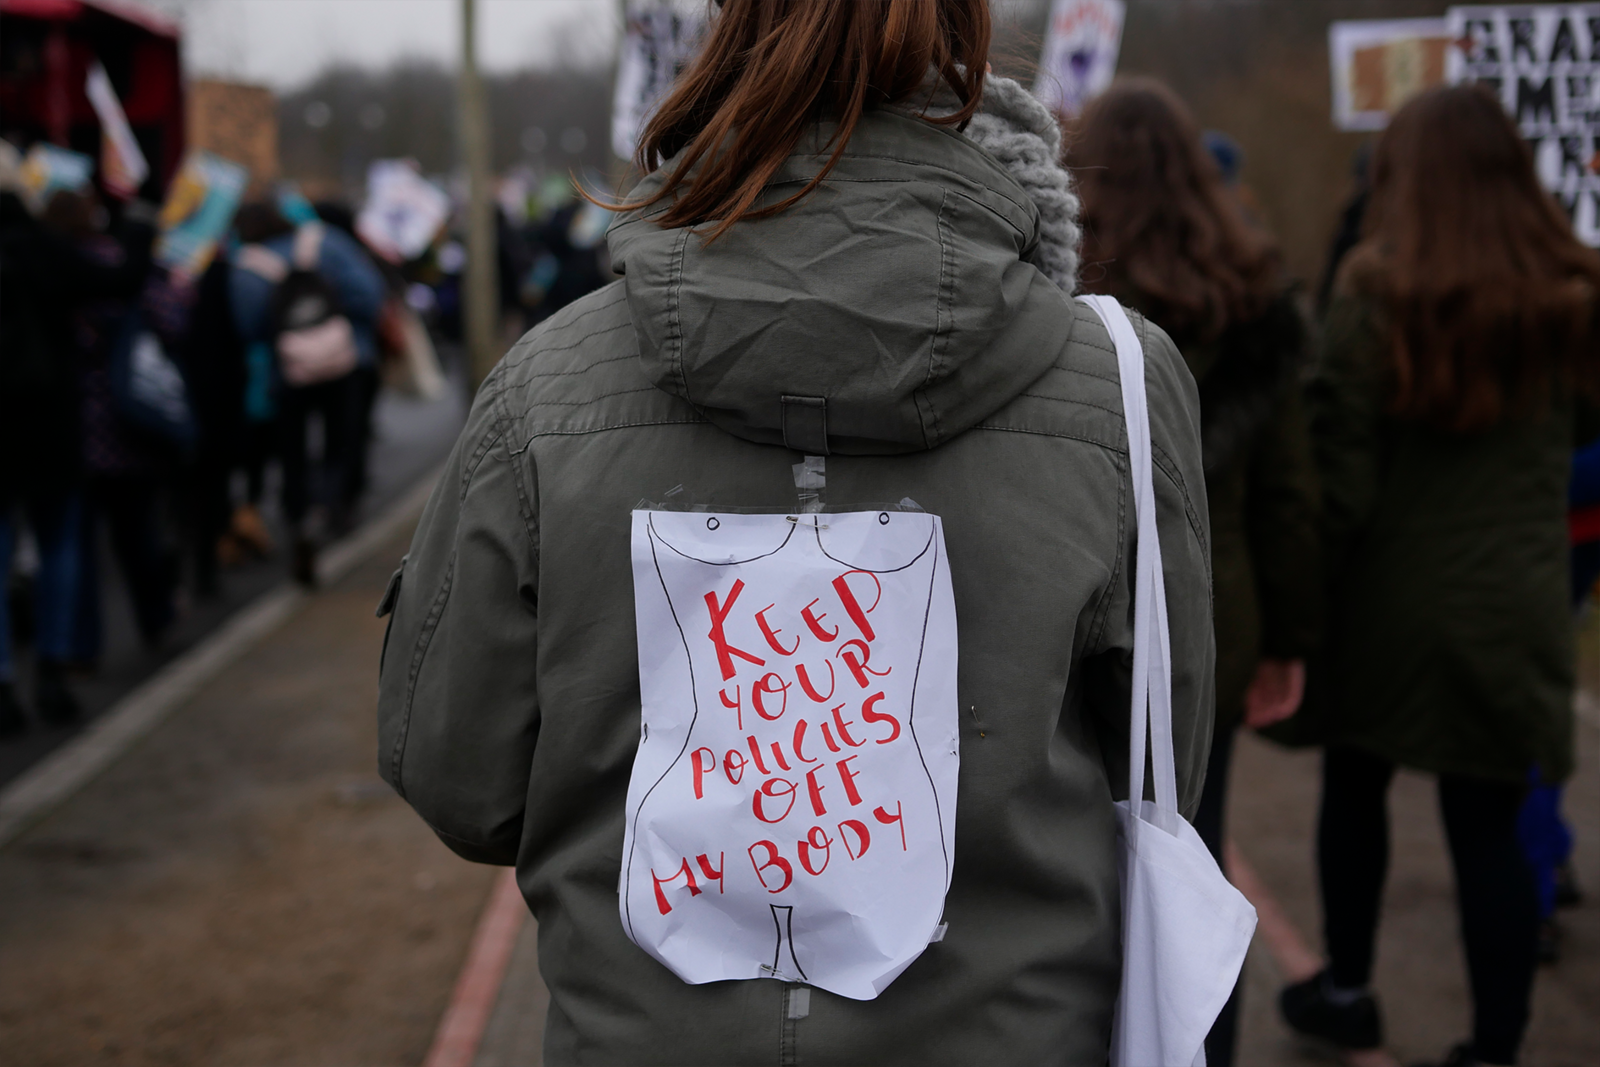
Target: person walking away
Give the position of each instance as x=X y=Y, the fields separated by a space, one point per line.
x=338 y=215
x=865 y=289
x=1163 y=234
x=1459 y=370
x=312 y=296
x=39 y=472
x=132 y=473
x=46 y=275
x=213 y=359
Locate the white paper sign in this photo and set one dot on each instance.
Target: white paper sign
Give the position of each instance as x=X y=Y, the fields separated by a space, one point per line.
x=123 y=164
x=662 y=36
x=791 y=813
x=404 y=210
x=1543 y=61
x=1080 y=53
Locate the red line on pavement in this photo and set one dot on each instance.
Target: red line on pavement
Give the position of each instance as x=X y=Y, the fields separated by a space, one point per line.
x=455 y=1043
x=1295 y=959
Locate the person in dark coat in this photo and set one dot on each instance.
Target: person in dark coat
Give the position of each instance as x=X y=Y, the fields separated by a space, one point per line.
x=1461 y=354
x=44 y=277
x=214 y=371
x=1164 y=235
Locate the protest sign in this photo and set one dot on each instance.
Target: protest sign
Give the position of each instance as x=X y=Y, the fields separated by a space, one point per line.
x=1543 y=61
x=198 y=211
x=237 y=122
x=123 y=167
x=47 y=170
x=1378 y=65
x=403 y=212
x=661 y=38
x=1080 y=53
x=791 y=813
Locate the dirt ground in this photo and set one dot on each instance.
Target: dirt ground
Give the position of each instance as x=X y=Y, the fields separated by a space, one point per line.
x=241 y=888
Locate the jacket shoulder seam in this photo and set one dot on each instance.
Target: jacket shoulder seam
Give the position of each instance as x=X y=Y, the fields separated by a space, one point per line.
x=602 y=429
x=1102 y=613
x=1118 y=450
x=592 y=399
x=530 y=523
x=585 y=368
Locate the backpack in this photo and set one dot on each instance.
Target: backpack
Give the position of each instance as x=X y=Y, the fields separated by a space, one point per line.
x=148 y=388
x=310 y=333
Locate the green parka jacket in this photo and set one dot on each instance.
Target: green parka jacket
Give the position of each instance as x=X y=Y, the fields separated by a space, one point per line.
x=1449 y=644
x=903 y=293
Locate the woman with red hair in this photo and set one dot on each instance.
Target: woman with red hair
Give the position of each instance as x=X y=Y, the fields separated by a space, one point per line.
x=847 y=278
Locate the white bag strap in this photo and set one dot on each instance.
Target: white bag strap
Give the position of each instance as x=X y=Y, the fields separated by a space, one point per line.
x=308 y=246
x=1152 y=650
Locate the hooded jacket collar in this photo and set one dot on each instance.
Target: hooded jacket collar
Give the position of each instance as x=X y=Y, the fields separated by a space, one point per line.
x=898 y=305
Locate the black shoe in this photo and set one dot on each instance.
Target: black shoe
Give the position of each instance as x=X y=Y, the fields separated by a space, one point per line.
x=1568 y=895
x=1460 y=1056
x=1307 y=1009
x=51 y=698
x=13 y=720
x=305 y=562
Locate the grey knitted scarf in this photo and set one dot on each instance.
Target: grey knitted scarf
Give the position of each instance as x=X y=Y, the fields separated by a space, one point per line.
x=1022 y=134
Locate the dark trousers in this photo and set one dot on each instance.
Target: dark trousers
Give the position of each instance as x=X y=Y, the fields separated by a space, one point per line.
x=1494 y=887
x=1208 y=823
x=366 y=386
x=325 y=480
x=131 y=510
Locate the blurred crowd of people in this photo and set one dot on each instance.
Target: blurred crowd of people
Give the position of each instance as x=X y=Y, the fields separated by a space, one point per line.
x=152 y=409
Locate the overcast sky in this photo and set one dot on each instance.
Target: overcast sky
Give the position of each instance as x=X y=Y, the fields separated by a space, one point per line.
x=284 y=43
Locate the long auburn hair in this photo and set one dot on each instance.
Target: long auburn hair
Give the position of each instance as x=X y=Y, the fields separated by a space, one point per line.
x=1490 y=301
x=771 y=68
x=1157 y=218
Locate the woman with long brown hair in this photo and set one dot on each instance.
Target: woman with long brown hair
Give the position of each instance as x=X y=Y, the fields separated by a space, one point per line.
x=1162 y=233
x=1461 y=353
x=847 y=279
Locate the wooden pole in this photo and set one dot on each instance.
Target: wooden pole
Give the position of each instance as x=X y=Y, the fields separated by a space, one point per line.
x=482 y=303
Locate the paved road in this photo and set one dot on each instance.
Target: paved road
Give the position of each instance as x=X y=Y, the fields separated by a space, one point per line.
x=241 y=888
x=410 y=436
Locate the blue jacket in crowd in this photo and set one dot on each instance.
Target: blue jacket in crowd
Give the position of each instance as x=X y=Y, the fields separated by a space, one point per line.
x=343 y=265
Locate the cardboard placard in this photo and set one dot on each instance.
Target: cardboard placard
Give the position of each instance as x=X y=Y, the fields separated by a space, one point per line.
x=236 y=122
x=1378 y=65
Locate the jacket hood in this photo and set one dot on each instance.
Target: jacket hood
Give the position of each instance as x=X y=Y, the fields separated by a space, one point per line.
x=920 y=288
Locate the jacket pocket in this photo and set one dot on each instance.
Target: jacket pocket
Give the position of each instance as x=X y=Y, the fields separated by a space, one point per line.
x=430 y=626
x=386 y=607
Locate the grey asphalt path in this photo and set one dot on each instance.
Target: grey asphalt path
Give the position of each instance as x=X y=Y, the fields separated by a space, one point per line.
x=240 y=888
x=410 y=436
x=1420 y=973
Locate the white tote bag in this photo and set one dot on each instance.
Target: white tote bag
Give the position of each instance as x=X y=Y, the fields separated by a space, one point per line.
x=1185 y=928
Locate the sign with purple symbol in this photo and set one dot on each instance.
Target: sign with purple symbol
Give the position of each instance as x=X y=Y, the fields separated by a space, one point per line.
x=1080 y=53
